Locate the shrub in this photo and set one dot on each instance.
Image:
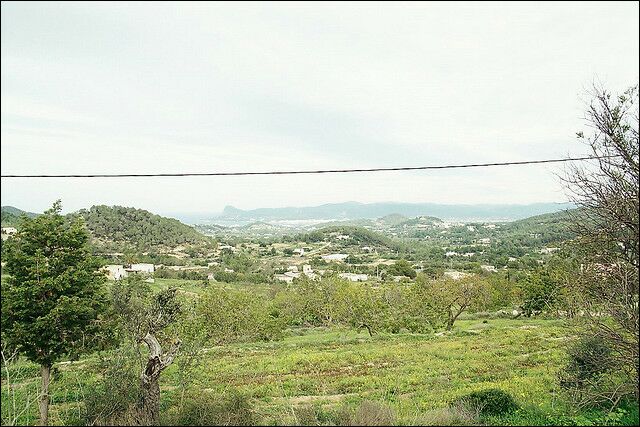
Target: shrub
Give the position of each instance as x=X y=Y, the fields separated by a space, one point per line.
x=206 y=409
x=488 y=402
x=370 y=413
x=589 y=358
x=113 y=399
x=454 y=415
x=593 y=378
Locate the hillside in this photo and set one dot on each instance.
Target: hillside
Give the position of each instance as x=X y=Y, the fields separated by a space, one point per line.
x=544 y=229
x=354 y=236
x=138 y=228
x=10 y=215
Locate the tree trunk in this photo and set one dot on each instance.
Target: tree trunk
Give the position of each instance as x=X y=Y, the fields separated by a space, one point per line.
x=450 y=323
x=150 y=404
x=43 y=405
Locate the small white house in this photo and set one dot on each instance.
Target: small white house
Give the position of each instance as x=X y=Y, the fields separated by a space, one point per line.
x=141 y=268
x=548 y=250
x=115 y=272
x=284 y=278
x=299 y=251
x=8 y=231
x=353 y=277
x=335 y=257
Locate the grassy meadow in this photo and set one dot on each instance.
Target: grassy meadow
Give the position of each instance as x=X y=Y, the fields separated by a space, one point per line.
x=315 y=376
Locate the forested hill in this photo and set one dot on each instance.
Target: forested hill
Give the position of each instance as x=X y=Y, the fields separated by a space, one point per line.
x=138 y=228
x=10 y=215
x=546 y=228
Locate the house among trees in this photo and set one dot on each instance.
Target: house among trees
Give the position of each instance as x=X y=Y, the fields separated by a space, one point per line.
x=118 y=272
x=335 y=257
x=8 y=231
x=353 y=277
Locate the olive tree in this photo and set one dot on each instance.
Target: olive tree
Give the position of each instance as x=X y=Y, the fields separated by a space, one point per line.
x=451 y=297
x=147 y=319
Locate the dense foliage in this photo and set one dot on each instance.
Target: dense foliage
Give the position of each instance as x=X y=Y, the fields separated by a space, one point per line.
x=138 y=228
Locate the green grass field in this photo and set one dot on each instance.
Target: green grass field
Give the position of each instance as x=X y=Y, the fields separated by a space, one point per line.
x=329 y=369
x=325 y=370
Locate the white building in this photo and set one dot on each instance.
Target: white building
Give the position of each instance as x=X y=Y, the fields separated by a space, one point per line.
x=141 y=268
x=489 y=268
x=8 y=231
x=335 y=257
x=284 y=278
x=451 y=253
x=456 y=275
x=353 y=277
x=115 y=272
x=299 y=251
x=548 y=250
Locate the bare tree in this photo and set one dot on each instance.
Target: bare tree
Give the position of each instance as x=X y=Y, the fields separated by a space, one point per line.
x=606 y=192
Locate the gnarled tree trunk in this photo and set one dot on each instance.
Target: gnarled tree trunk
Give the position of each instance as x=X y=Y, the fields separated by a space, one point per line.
x=150 y=404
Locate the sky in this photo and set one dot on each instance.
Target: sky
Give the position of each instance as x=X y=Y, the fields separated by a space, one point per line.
x=195 y=87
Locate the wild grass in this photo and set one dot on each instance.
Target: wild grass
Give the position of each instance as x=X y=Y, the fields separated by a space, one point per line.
x=322 y=374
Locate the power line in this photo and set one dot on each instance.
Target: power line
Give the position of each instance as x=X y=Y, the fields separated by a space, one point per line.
x=298 y=172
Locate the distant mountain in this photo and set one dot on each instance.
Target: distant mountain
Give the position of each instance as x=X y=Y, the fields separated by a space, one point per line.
x=10 y=215
x=138 y=228
x=354 y=210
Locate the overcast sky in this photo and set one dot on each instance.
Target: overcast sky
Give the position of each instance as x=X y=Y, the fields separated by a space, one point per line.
x=143 y=88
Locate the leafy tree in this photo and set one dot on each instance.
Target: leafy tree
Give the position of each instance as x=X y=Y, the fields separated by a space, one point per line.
x=402 y=268
x=53 y=298
x=453 y=297
x=539 y=293
x=229 y=315
x=359 y=306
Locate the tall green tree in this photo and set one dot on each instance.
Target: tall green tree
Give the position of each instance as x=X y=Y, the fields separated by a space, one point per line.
x=54 y=296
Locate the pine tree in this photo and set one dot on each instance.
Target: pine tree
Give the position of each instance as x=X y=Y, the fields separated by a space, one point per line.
x=53 y=298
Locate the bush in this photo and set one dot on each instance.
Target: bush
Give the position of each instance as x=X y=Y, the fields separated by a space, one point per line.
x=589 y=358
x=592 y=378
x=371 y=413
x=206 y=409
x=455 y=415
x=113 y=399
x=488 y=402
